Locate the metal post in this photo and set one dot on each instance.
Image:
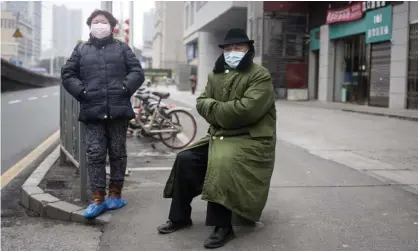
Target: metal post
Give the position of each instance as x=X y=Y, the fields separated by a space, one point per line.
x=82 y=161
x=51 y=60
x=121 y=30
x=131 y=24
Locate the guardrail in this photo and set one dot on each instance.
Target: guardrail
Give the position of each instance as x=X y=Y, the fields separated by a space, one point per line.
x=72 y=138
x=14 y=77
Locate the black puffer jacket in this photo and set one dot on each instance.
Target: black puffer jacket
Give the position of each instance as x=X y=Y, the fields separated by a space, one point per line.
x=102 y=75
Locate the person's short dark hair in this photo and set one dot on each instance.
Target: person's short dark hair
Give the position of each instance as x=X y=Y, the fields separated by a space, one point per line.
x=112 y=20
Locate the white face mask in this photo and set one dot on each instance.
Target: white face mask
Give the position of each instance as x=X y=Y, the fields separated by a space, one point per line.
x=233 y=58
x=100 y=30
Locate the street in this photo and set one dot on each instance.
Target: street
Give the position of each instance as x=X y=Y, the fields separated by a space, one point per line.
x=315 y=203
x=28 y=118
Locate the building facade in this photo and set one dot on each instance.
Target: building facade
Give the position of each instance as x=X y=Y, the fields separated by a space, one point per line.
x=9 y=44
x=168 y=51
x=28 y=18
x=66 y=29
x=362 y=52
x=205 y=27
x=147 y=37
x=368 y=57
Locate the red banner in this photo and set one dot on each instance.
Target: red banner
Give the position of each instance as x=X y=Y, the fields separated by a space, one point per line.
x=350 y=13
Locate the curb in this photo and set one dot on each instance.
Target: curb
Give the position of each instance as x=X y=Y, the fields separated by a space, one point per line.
x=33 y=198
x=382 y=115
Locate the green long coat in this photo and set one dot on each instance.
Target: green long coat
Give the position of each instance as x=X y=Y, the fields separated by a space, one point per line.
x=240 y=108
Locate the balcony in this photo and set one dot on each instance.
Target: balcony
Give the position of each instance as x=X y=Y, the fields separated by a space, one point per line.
x=212 y=15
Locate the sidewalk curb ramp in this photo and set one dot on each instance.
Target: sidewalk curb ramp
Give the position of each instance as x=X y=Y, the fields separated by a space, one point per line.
x=33 y=198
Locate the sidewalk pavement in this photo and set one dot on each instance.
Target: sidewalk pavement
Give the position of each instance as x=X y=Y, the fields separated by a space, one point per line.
x=379 y=111
x=314 y=204
x=383 y=147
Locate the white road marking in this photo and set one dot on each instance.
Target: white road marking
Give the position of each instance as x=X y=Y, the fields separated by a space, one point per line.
x=55 y=93
x=32 y=98
x=138 y=169
x=15 y=101
x=183 y=138
x=44 y=96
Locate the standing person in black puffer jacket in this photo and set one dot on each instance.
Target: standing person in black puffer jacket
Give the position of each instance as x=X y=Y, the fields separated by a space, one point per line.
x=103 y=74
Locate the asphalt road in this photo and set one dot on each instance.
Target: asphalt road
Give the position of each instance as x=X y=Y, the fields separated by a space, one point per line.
x=28 y=117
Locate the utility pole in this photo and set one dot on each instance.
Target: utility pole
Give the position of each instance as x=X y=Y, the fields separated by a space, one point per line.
x=131 y=24
x=107 y=6
x=51 y=60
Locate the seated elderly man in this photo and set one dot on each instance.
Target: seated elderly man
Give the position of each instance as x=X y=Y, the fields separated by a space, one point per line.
x=232 y=166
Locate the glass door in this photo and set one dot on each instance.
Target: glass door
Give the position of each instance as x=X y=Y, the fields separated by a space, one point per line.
x=356 y=74
x=363 y=77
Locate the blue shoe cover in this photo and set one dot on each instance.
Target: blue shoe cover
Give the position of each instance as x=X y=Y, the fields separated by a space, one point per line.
x=93 y=210
x=114 y=203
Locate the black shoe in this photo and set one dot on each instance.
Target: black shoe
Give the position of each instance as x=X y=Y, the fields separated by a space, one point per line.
x=219 y=237
x=171 y=227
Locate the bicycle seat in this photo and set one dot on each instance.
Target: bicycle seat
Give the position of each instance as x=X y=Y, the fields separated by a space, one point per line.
x=161 y=95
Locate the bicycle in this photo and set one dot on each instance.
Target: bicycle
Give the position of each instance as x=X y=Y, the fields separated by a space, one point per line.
x=157 y=120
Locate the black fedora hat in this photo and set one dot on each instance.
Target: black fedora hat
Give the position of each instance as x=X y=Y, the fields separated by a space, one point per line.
x=236 y=36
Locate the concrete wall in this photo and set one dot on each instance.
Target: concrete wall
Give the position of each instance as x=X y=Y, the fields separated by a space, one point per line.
x=413 y=12
x=168 y=47
x=312 y=74
x=16 y=78
x=326 y=66
x=208 y=54
x=339 y=69
x=399 y=56
x=255 y=11
x=210 y=11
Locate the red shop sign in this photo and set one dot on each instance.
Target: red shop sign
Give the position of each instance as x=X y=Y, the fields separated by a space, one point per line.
x=350 y=13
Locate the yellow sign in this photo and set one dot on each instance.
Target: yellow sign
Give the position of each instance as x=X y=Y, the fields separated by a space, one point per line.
x=17 y=33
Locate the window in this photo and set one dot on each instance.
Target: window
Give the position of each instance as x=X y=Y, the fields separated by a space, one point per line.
x=8 y=23
x=192 y=13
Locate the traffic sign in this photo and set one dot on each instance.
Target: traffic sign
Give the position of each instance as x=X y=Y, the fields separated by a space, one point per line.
x=17 y=33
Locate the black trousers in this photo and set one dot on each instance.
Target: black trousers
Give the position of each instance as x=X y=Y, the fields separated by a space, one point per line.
x=101 y=138
x=191 y=170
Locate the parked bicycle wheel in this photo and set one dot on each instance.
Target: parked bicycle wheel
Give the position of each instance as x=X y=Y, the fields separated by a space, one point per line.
x=183 y=126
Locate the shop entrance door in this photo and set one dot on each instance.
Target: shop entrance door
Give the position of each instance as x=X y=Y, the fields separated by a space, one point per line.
x=356 y=73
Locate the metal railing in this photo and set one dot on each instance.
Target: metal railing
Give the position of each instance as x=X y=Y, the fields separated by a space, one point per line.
x=72 y=138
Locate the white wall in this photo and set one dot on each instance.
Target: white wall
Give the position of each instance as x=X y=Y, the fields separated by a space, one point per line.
x=168 y=48
x=339 y=69
x=209 y=12
x=399 y=56
x=413 y=11
x=326 y=65
x=208 y=54
x=312 y=78
x=255 y=11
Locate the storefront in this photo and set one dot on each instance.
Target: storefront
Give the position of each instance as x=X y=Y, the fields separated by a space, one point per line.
x=357 y=65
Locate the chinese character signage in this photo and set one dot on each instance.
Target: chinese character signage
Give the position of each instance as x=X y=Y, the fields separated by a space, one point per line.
x=371 y=5
x=379 y=25
x=351 y=12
